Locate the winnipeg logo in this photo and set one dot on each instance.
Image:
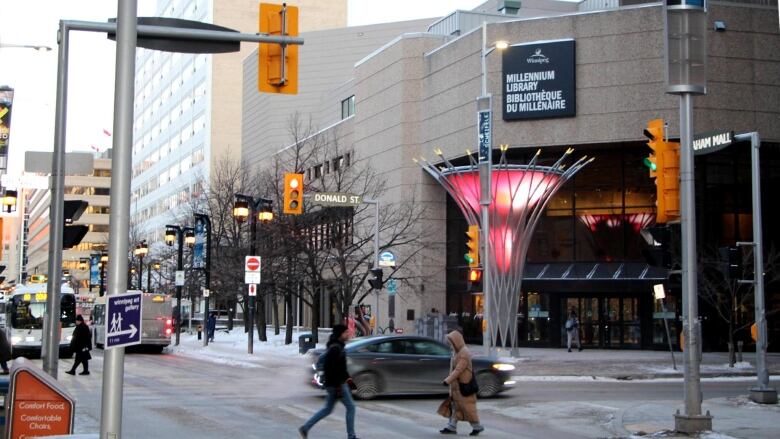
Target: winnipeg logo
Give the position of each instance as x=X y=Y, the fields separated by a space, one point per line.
x=537 y=58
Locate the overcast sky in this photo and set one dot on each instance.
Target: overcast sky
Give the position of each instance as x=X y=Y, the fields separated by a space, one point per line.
x=91 y=76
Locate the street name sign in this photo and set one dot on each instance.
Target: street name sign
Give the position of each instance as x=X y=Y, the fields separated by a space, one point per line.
x=123 y=320
x=712 y=141
x=484 y=135
x=337 y=199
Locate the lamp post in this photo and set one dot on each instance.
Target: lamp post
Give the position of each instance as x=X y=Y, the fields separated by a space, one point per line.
x=202 y=217
x=141 y=250
x=485 y=155
x=9 y=200
x=39 y=48
x=259 y=209
x=177 y=233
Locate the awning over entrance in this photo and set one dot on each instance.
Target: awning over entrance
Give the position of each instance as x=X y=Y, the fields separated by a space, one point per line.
x=593 y=276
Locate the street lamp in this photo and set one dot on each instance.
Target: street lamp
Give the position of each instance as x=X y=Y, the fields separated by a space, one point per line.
x=203 y=218
x=258 y=210
x=177 y=233
x=141 y=250
x=485 y=104
x=9 y=200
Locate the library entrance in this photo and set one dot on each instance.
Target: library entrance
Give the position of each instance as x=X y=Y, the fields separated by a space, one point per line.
x=605 y=321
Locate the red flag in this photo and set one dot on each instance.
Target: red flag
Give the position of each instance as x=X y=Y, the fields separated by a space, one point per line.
x=107 y=132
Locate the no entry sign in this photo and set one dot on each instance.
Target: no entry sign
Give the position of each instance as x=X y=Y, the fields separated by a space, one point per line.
x=252 y=264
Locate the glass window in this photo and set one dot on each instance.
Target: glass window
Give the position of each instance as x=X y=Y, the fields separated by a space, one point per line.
x=430 y=348
x=383 y=348
x=348 y=107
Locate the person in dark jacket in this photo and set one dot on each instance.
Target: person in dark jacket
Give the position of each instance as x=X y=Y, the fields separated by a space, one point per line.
x=337 y=383
x=81 y=344
x=5 y=352
x=211 y=326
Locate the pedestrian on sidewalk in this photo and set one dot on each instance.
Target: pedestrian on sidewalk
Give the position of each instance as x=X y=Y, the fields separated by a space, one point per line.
x=458 y=407
x=337 y=381
x=573 y=330
x=5 y=353
x=80 y=345
x=211 y=326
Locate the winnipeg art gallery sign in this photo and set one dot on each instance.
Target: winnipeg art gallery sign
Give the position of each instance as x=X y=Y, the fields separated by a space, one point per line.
x=538 y=80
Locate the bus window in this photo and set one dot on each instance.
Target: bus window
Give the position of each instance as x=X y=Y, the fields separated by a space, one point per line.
x=68 y=311
x=26 y=315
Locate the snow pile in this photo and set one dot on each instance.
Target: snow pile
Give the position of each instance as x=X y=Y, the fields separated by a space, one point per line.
x=231 y=348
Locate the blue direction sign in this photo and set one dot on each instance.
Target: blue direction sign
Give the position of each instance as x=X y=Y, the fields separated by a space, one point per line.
x=391 y=287
x=123 y=320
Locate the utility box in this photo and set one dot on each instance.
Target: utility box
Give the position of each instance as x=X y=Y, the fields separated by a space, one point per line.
x=305 y=343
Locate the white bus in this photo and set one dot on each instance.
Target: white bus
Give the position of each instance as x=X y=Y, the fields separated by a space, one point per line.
x=24 y=311
x=156 y=323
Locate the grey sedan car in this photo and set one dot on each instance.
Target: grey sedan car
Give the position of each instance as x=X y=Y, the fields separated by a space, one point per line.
x=408 y=364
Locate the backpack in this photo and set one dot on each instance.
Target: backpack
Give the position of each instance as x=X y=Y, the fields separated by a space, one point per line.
x=569 y=324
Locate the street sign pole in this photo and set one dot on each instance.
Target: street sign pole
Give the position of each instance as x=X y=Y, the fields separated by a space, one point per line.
x=762 y=393
x=119 y=214
x=376 y=247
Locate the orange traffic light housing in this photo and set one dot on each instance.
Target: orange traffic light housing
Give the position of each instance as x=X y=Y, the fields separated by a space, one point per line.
x=293 y=194
x=664 y=165
x=472 y=246
x=474 y=280
x=277 y=69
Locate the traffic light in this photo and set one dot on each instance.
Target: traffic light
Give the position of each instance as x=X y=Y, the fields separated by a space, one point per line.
x=664 y=165
x=474 y=280
x=376 y=281
x=293 y=194
x=731 y=261
x=277 y=70
x=472 y=246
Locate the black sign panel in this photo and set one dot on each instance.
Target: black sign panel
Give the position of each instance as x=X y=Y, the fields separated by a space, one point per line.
x=539 y=80
x=705 y=143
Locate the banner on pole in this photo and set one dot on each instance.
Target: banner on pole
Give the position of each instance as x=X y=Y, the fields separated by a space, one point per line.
x=199 y=250
x=94 y=271
x=6 y=102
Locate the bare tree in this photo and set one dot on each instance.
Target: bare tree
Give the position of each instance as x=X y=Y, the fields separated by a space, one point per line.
x=731 y=300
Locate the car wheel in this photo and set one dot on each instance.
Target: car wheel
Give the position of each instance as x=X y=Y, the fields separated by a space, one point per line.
x=367 y=386
x=489 y=385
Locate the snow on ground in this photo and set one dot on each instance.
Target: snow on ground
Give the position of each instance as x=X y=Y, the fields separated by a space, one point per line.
x=565 y=378
x=742 y=366
x=231 y=348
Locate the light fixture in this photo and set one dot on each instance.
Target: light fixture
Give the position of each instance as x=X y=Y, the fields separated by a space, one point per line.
x=9 y=200
x=266 y=213
x=170 y=236
x=501 y=44
x=241 y=210
x=83 y=264
x=720 y=26
x=141 y=249
x=156 y=265
x=189 y=238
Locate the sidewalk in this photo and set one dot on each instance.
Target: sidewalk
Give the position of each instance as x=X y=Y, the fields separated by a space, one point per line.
x=624 y=364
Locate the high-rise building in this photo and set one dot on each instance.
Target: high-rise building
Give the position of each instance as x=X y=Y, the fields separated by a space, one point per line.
x=188 y=107
x=95 y=189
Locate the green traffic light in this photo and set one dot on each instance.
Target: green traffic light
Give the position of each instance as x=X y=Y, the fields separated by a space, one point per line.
x=468 y=258
x=649 y=163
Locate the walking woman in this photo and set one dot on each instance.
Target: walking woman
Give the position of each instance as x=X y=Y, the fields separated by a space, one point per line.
x=81 y=344
x=459 y=407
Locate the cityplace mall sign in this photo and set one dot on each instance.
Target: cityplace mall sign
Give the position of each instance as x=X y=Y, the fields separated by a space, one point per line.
x=538 y=80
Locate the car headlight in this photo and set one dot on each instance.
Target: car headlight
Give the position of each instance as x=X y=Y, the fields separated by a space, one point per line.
x=503 y=367
x=69 y=338
x=16 y=339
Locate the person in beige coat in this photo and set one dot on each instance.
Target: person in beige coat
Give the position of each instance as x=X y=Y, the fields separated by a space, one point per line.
x=458 y=407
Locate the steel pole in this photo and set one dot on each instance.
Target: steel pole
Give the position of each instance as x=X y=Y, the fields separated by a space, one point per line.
x=691 y=326
x=179 y=267
x=250 y=348
x=51 y=339
x=119 y=214
x=140 y=272
x=149 y=277
x=485 y=171
x=208 y=276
